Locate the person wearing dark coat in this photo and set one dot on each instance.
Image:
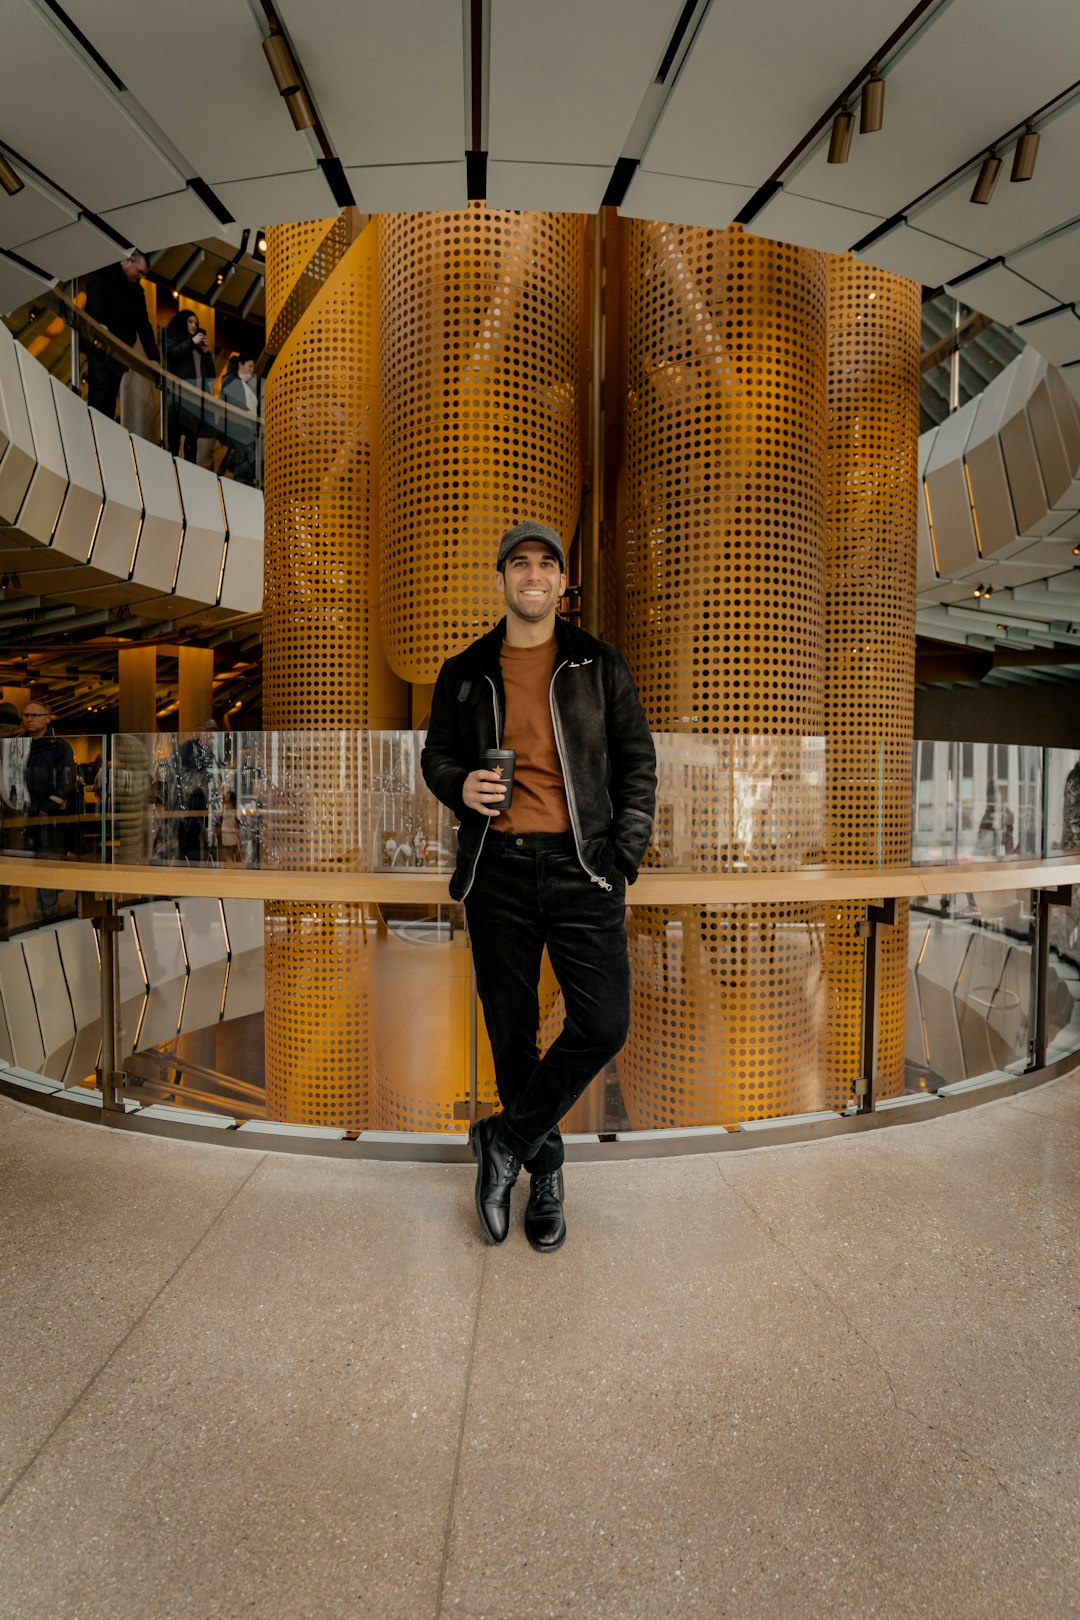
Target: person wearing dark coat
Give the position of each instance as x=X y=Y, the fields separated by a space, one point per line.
x=38 y=783
x=114 y=299
x=188 y=357
x=241 y=394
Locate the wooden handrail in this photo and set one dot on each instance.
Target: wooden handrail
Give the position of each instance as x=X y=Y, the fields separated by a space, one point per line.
x=653 y=888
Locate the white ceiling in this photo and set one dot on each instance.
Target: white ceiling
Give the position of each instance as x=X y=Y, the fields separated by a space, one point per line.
x=568 y=88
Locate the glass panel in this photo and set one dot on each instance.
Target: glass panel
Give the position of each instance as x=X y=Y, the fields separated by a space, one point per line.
x=969 y=987
x=976 y=802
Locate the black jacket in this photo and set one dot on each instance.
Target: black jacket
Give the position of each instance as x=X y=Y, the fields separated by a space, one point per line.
x=602 y=735
x=118 y=304
x=50 y=775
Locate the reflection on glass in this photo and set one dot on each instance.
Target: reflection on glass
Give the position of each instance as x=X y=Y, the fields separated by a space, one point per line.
x=976 y=802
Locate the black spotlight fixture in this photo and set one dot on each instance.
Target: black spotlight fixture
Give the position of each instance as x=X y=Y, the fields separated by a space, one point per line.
x=840 y=140
x=1027 y=150
x=872 y=108
x=988 y=176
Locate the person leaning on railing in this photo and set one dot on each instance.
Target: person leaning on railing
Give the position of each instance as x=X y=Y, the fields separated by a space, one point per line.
x=240 y=390
x=114 y=299
x=187 y=358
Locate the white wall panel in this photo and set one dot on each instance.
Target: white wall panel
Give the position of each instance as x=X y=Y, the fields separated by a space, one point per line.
x=204 y=533
x=118 y=530
x=244 y=922
x=205 y=994
x=17 y=454
x=245 y=992
x=388 y=80
x=157 y=924
x=204 y=931
x=160 y=1015
x=954 y=532
x=242 y=587
x=162 y=529
x=131 y=980
x=55 y=1017
x=74 y=533
x=48 y=485
x=163 y=221
x=17 y=996
x=82 y=970
x=32 y=213
x=567 y=79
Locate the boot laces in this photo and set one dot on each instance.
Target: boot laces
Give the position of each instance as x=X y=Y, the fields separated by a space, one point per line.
x=546 y=1186
x=510 y=1172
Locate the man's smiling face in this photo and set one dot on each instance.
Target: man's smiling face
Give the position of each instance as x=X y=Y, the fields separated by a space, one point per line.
x=531 y=582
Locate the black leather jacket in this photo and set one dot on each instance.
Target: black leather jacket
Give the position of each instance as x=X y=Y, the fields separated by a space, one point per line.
x=50 y=775
x=602 y=735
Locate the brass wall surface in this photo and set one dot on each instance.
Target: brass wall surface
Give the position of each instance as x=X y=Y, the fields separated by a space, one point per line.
x=289 y=249
x=722 y=525
x=480 y=412
x=323 y=670
x=871 y=494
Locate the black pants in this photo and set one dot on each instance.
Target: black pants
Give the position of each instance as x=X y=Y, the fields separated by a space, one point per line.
x=103 y=377
x=530 y=892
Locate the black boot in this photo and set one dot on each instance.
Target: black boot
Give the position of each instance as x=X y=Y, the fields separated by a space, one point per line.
x=545 y=1223
x=496 y=1171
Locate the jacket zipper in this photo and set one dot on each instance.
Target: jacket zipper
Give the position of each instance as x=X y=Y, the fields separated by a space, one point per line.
x=556 y=726
x=487 y=819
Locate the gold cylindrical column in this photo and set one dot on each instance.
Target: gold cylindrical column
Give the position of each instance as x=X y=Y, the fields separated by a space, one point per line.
x=871 y=494
x=323 y=673
x=480 y=417
x=722 y=526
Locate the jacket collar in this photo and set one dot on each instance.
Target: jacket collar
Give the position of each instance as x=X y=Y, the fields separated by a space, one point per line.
x=482 y=657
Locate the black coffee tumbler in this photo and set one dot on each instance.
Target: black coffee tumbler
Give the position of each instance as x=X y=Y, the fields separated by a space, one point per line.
x=502 y=761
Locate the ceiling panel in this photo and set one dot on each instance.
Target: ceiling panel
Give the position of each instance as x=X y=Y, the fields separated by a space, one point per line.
x=1055 y=336
x=684 y=202
x=567 y=79
x=758 y=75
x=409 y=187
x=17 y=286
x=975 y=70
x=164 y=221
x=1003 y=295
x=276 y=199
x=789 y=218
x=64 y=122
x=388 y=81
x=1053 y=264
x=908 y=252
x=30 y=214
x=1016 y=214
x=203 y=79
x=71 y=251
x=561 y=187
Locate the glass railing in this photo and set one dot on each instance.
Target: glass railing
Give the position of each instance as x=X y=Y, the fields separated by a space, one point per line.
x=742 y=1012
x=208 y=421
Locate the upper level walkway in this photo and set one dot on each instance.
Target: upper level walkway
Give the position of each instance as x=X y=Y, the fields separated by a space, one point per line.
x=829 y=1380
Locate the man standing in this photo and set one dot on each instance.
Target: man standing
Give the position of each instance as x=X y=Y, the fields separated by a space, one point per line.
x=114 y=299
x=551 y=870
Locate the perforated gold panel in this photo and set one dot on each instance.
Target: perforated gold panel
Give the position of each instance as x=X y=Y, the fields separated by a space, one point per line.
x=323 y=669
x=289 y=250
x=870 y=537
x=480 y=380
x=724 y=624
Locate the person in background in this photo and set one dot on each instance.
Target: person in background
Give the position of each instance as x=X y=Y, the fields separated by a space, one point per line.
x=240 y=390
x=114 y=299
x=188 y=357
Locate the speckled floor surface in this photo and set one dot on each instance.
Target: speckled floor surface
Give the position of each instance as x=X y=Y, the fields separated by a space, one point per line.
x=840 y=1379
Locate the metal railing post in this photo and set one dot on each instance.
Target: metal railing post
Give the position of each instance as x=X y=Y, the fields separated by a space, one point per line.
x=877 y=917
x=107 y=922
